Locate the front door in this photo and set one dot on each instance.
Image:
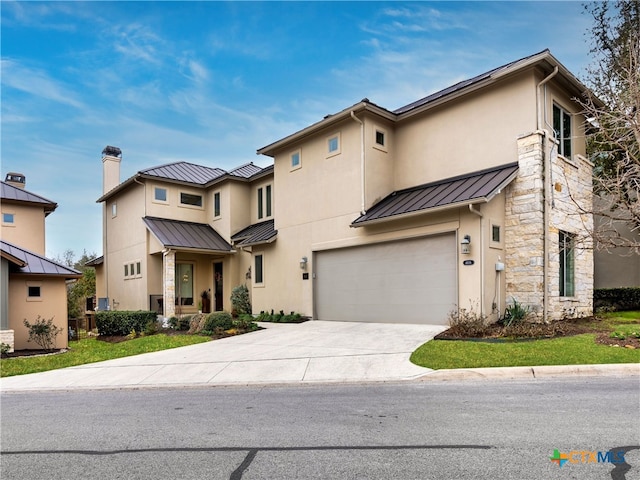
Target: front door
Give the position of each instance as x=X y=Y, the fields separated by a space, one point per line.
x=217 y=286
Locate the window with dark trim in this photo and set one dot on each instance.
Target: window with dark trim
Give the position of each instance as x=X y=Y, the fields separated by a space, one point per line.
x=567 y=264
x=268 y=199
x=34 y=291
x=260 y=213
x=562 y=129
x=191 y=199
x=216 y=204
x=259 y=269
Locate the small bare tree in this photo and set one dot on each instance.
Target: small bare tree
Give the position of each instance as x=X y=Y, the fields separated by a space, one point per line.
x=614 y=128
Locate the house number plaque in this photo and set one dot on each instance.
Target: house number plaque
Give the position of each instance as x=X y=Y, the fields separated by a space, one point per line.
x=468 y=262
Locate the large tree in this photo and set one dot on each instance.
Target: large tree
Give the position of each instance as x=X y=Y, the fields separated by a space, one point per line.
x=84 y=287
x=613 y=108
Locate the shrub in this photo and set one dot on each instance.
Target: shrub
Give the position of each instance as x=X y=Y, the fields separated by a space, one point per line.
x=245 y=323
x=240 y=302
x=466 y=323
x=4 y=348
x=515 y=313
x=43 y=332
x=627 y=298
x=218 y=320
x=122 y=323
x=280 y=317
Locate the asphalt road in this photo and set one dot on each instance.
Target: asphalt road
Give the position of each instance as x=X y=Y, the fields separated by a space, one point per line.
x=436 y=430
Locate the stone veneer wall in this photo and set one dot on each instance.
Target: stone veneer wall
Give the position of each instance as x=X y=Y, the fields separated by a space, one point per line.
x=524 y=230
x=169 y=282
x=7 y=337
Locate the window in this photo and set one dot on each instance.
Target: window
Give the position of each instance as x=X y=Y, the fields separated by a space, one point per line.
x=126 y=270
x=567 y=278
x=160 y=194
x=184 y=284
x=495 y=233
x=295 y=160
x=260 y=203
x=190 y=199
x=562 y=128
x=114 y=210
x=268 y=199
x=8 y=218
x=259 y=272
x=33 y=291
x=380 y=138
x=138 y=269
x=333 y=145
x=216 y=204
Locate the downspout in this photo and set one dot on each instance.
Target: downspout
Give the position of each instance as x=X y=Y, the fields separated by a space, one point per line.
x=362 y=172
x=479 y=213
x=546 y=162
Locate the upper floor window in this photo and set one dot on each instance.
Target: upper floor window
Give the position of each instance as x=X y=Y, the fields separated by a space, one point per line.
x=258 y=277
x=295 y=160
x=264 y=202
x=190 y=199
x=216 y=204
x=562 y=129
x=160 y=194
x=567 y=264
x=380 y=140
x=333 y=144
x=34 y=291
x=114 y=210
x=8 y=218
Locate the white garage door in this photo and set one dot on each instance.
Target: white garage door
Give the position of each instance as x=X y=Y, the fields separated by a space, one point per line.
x=409 y=281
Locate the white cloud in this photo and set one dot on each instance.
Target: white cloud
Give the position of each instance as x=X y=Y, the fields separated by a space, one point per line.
x=37 y=83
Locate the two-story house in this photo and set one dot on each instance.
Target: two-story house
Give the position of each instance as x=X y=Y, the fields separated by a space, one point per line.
x=32 y=285
x=466 y=199
x=168 y=234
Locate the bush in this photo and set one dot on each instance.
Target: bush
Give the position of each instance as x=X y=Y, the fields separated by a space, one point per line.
x=121 y=323
x=627 y=298
x=43 y=332
x=218 y=320
x=466 y=323
x=515 y=313
x=240 y=303
x=280 y=317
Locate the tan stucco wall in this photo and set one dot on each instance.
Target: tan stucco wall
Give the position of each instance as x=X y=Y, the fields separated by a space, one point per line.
x=28 y=230
x=53 y=303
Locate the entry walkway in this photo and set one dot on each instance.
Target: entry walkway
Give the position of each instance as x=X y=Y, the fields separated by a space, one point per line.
x=314 y=351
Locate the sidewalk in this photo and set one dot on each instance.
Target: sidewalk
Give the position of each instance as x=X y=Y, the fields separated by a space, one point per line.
x=307 y=353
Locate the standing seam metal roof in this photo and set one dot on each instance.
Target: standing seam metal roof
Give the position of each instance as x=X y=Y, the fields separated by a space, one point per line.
x=179 y=234
x=11 y=193
x=34 y=264
x=477 y=186
x=185 y=172
x=263 y=232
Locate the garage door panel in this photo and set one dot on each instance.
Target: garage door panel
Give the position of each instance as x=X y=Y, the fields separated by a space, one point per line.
x=412 y=281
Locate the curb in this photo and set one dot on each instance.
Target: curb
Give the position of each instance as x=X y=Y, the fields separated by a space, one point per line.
x=548 y=371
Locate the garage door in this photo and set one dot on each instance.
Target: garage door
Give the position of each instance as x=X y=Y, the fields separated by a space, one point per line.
x=409 y=281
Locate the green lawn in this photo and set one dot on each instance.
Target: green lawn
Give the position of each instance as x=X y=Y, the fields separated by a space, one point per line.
x=576 y=350
x=91 y=350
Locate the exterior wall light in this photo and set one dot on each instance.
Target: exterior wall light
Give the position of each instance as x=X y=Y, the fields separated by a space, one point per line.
x=465 y=245
x=303 y=263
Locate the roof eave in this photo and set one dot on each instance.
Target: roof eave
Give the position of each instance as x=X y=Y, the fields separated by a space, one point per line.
x=426 y=211
x=326 y=122
x=261 y=242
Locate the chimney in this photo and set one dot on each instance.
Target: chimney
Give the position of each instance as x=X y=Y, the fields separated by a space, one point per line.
x=111 y=157
x=16 y=179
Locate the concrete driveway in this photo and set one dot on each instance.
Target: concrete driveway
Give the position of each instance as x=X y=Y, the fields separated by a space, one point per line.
x=309 y=352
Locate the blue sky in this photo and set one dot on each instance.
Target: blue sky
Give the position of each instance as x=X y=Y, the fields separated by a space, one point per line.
x=212 y=82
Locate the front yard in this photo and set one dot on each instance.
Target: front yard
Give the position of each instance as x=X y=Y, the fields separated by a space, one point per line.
x=613 y=338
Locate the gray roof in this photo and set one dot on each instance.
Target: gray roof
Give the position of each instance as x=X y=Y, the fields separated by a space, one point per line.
x=15 y=194
x=95 y=261
x=185 y=172
x=476 y=187
x=187 y=235
x=27 y=262
x=246 y=171
x=258 y=233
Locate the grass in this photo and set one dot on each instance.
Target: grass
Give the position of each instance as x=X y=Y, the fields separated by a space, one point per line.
x=91 y=350
x=575 y=350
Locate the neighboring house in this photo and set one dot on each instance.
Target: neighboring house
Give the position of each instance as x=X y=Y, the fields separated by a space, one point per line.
x=167 y=233
x=32 y=285
x=461 y=200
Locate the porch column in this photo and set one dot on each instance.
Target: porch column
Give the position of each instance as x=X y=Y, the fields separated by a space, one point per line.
x=169 y=283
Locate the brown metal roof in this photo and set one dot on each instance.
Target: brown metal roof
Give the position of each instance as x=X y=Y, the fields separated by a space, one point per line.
x=185 y=172
x=187 y=235
x=476 y=187
x=258 y=233
x=14 y=194
x=27 y=262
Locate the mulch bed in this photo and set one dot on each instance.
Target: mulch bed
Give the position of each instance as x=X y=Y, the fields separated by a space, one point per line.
x=532 y=331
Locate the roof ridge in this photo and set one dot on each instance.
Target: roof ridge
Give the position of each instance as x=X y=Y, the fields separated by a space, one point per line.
x=24 y=190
